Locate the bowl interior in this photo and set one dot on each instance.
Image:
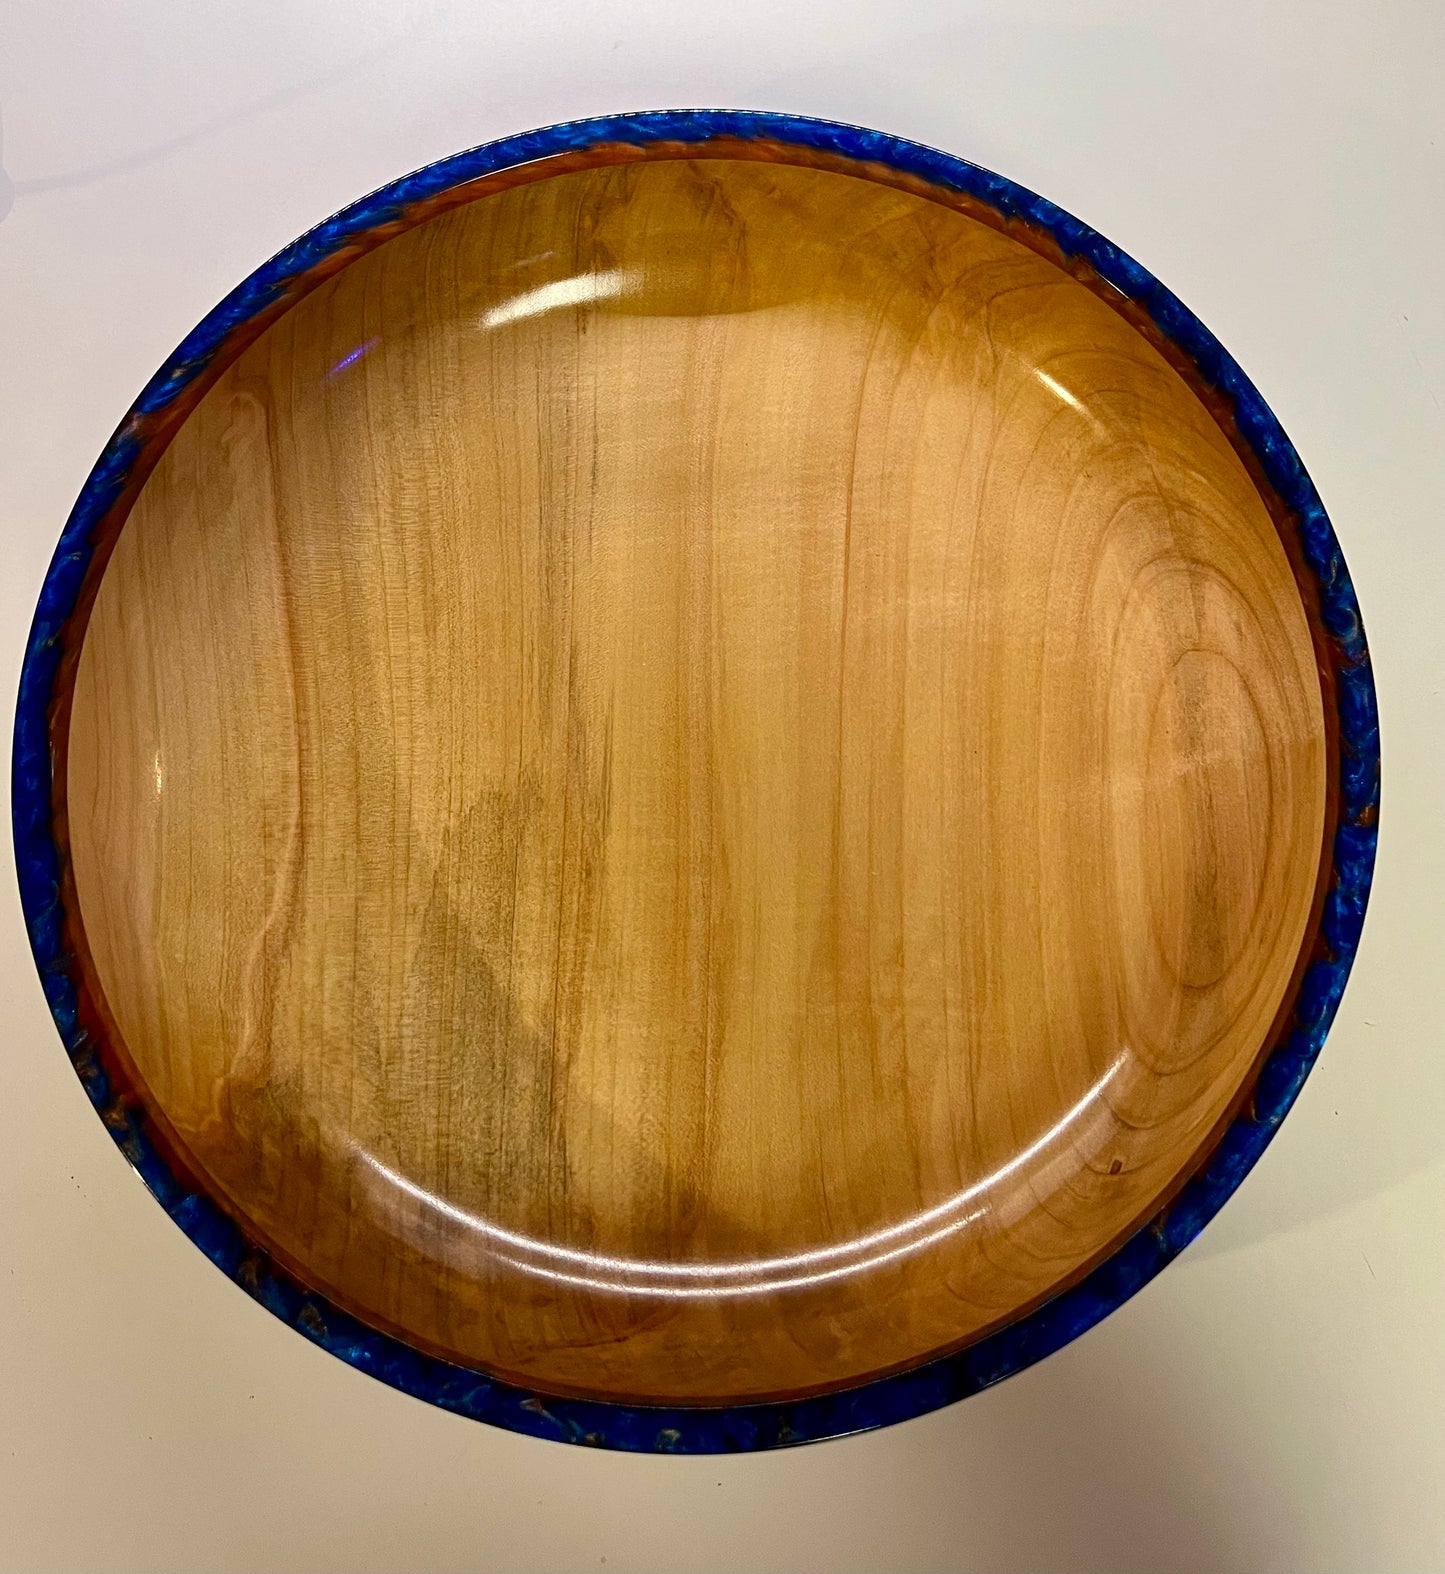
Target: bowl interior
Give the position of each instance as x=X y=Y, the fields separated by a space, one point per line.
x=695 y=781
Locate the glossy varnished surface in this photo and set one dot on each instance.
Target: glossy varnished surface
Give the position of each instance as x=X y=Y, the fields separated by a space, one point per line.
x=696 y=781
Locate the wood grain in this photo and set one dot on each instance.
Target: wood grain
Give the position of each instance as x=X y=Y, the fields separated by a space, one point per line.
x=696 y=781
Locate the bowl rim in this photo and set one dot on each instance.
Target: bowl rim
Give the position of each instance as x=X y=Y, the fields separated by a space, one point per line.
x=1347 y=688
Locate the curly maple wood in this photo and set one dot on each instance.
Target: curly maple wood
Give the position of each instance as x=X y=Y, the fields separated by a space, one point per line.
x=696 y=781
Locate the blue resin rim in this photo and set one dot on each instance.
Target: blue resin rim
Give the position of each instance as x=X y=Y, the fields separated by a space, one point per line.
x=1346 y=683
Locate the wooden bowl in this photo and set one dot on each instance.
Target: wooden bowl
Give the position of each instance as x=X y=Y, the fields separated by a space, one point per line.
x=690 y=762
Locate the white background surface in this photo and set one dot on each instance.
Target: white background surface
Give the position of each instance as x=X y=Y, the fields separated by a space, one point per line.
x=1277 y=1399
